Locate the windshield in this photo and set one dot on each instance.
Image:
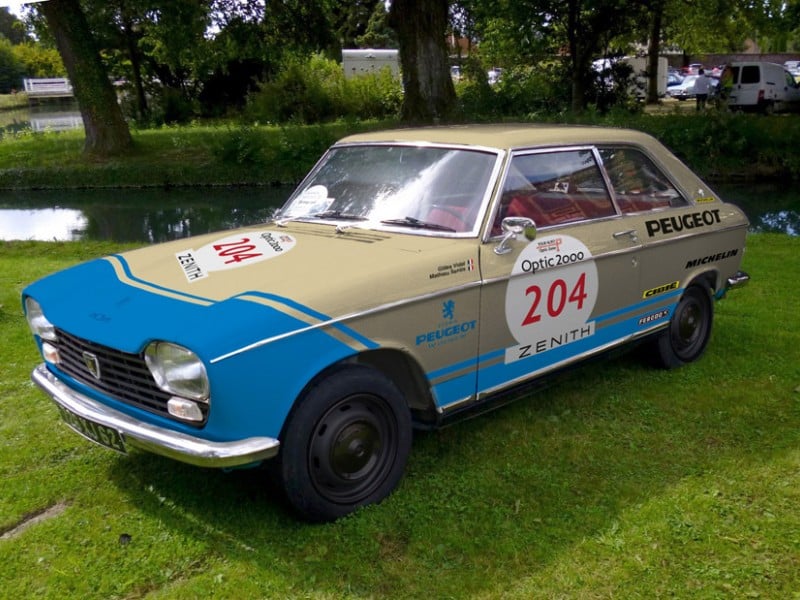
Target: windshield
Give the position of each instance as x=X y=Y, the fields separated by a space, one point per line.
x=421 y=188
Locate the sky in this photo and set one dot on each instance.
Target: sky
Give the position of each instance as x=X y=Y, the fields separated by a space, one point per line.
x=16 y=7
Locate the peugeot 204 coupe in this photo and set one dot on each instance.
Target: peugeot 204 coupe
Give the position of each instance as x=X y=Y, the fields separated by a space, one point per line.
x=414 y=276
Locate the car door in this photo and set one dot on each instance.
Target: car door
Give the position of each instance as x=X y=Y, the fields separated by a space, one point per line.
x=569 y=292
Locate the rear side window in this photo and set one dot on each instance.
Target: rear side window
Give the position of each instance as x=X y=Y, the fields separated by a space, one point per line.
x=554 y=188
x=639 y=185
x=750 y=74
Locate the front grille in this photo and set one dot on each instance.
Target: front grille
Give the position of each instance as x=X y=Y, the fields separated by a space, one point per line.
x=123 y=376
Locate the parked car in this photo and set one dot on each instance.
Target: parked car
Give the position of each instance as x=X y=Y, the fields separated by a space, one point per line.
x=683 y=90
x=673 y=79
x=414 y=277
x=761 y=86
x=686 y=90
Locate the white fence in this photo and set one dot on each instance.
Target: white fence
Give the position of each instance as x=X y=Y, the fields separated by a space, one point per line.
x=52 y=87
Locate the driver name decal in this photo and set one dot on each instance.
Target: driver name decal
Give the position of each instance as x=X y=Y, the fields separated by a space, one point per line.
x=550 y=296
x=232 y=252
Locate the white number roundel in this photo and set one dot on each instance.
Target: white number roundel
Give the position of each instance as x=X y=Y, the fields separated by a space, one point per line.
x=553 y=289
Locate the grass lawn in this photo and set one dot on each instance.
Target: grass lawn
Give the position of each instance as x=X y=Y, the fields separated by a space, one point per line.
x=620 y=482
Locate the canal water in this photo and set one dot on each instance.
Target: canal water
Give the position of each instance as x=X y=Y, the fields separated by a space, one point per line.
x=156 y=215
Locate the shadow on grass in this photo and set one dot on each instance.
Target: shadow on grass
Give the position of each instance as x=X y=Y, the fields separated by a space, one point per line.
x=489 y=501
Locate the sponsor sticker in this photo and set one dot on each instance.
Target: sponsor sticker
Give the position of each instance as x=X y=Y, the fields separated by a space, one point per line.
x=550 y=296
x=450 y=328
x=232 y=252
x=680 y=223
x=711 y=258
x=661 y=289
x=656 y=316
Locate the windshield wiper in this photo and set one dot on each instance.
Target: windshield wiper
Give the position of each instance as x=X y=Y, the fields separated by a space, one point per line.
x=416 y=224
x=338 y=215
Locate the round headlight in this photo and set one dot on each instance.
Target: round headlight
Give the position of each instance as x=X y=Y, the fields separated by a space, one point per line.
x=177 y=370
x=37 y=321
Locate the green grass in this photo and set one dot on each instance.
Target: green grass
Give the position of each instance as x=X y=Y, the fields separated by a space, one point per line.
x=716 y=144
x=619 y=482
x=224 y=154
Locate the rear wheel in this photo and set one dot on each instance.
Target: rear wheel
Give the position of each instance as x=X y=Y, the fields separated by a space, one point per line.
x=345 y=445
x=689 y=329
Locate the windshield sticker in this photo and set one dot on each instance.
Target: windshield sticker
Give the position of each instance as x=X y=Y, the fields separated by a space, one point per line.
x=550 y=296
x=232 y=252
x=311 y=201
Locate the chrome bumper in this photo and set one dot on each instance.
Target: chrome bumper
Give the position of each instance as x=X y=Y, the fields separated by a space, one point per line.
x=157 y=440
x=741 y=278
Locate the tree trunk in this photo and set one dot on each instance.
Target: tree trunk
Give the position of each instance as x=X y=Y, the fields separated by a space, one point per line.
x=421 y=25
x=107 y=132
x=653 y=52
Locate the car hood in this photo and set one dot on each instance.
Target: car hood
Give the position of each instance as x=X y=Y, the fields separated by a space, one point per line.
x=217 y=292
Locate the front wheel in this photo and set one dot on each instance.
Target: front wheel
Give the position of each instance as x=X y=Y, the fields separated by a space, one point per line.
x=345 y=444
x=689 y=329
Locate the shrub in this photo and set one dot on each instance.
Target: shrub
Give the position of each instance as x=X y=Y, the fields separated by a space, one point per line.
x=315 y=90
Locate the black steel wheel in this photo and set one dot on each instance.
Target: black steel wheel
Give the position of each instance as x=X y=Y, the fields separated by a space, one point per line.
x=345 y=445
x=689 y=330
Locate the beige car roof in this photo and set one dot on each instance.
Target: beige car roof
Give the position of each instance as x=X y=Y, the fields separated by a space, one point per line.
x=506 y=136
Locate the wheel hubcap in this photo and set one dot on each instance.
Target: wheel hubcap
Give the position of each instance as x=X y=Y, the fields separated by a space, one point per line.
x=351 y=450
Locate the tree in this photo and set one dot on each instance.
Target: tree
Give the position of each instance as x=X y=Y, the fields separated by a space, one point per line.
x=421 y=25
x=351 y=19
x=11 y=69
x=106 y=131
x=11 y=28
x=378 y=34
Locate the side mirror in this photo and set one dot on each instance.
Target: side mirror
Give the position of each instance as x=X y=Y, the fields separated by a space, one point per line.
x=512 y=228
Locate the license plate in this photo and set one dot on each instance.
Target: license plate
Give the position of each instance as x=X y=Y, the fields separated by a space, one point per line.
x=100 y=434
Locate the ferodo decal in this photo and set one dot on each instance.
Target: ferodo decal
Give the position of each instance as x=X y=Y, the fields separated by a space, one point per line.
x=653 y=317
x=667 y=287
x=232 y=252
x=550 y=296
x=688 y=221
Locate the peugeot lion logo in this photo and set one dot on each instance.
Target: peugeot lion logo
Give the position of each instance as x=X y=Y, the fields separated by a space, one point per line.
x=92 y=364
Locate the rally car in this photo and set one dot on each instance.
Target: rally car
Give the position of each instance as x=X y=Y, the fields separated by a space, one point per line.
x=413 y=277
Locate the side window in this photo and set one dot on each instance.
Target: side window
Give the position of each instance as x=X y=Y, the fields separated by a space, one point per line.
x=554 y=188
x=750 y=74
x=638 y=184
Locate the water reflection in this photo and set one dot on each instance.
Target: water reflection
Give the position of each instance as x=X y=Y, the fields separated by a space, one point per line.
x=150 y=215
x=52 y=116
x=156 y=215
x=771 y=207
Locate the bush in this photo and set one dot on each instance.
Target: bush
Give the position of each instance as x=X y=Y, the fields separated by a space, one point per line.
x=11 y=69
x=315 y=90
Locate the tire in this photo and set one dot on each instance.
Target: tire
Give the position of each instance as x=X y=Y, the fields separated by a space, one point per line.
x=689 y=330
x=345 y=445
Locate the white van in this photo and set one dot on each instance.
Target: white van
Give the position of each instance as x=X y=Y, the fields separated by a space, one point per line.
x=762 y=86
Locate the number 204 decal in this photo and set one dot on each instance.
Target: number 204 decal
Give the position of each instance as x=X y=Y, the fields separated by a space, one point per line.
x=232 y=252
x=550 y=296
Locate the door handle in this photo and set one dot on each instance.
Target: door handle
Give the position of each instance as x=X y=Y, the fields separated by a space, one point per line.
x=631 y=233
